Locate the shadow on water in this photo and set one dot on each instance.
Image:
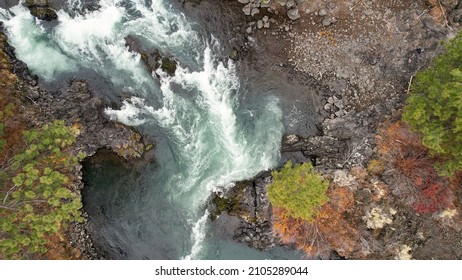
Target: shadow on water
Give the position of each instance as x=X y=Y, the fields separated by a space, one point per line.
x=114 y=188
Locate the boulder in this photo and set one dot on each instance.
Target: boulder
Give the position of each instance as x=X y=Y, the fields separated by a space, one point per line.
x=259 y=24
x=169 y=66
x=290 y=4
x=293 y=14
x=247 y=9
x=41 y=9
x=234 y=55
x=322 y=13
x=254 y=11
x=326 y=22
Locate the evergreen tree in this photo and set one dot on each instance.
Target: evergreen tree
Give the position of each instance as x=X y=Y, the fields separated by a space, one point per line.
x=434 y=107
x=38 y=203
x=299 y=190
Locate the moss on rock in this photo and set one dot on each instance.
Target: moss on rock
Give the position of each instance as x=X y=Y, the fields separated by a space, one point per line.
x=169 y=66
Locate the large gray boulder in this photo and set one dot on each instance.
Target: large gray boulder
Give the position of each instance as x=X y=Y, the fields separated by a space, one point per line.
x=293 y=13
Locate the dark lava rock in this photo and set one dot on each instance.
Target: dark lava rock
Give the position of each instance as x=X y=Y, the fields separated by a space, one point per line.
x=247 y=201
x=342 y=128
x=152 y=59
x=41 y=9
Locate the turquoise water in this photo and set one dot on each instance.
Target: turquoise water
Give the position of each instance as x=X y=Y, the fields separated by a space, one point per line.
x=207 y=137
x=134 y=219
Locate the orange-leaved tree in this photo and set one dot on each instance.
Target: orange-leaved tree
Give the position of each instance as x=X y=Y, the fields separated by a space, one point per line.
x=307 y=214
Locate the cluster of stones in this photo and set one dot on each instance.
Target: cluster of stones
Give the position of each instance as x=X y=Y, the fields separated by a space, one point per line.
x=252 y=7
x=327 y=19
x=259 y=24
x=260 y=11
x=335 y=106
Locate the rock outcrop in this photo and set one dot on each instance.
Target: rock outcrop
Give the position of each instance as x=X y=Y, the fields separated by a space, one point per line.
x=41 y=9
x=77 y=106
x=249 y=203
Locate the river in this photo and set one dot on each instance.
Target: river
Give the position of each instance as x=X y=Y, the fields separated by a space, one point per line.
x=210 y=131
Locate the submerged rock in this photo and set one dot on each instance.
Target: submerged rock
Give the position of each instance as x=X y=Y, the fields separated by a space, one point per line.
x=152 y=59
x=169 y=66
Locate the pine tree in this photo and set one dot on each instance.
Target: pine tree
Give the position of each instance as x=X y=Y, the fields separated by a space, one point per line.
x=38 y=202
x=434 y=107
x=299 y=190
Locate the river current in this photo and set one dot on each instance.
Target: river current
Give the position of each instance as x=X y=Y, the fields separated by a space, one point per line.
x=208 y=133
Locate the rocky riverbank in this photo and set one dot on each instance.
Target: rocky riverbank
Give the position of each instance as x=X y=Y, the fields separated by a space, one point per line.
x=356 y=59
x=77 y=106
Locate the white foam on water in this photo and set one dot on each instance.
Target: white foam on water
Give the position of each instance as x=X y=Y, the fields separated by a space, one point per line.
x=98 y=25
x=213 y=148
x=33 y=45
x=198 y=236
x=129 y=113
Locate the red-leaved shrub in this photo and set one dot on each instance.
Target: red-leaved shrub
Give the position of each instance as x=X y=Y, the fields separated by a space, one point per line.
x=411 y=165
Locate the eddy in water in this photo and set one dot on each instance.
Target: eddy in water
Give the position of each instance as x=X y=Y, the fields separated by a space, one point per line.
x=207 y=137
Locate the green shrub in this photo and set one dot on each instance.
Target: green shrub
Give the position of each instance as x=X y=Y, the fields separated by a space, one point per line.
x=299 y=190
x=37 y=203
x=434 y=107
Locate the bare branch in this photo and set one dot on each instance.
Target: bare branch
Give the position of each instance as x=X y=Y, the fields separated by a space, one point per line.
x=8 y=193
x=409 y=85
x=444 y=15
x=8 y=207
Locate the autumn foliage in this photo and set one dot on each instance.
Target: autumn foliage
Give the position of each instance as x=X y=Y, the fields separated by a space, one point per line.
x=11 y=123
x=329 y=230
x=409 y=162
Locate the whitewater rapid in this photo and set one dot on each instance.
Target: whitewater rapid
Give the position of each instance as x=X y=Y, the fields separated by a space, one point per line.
x=213 y=139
